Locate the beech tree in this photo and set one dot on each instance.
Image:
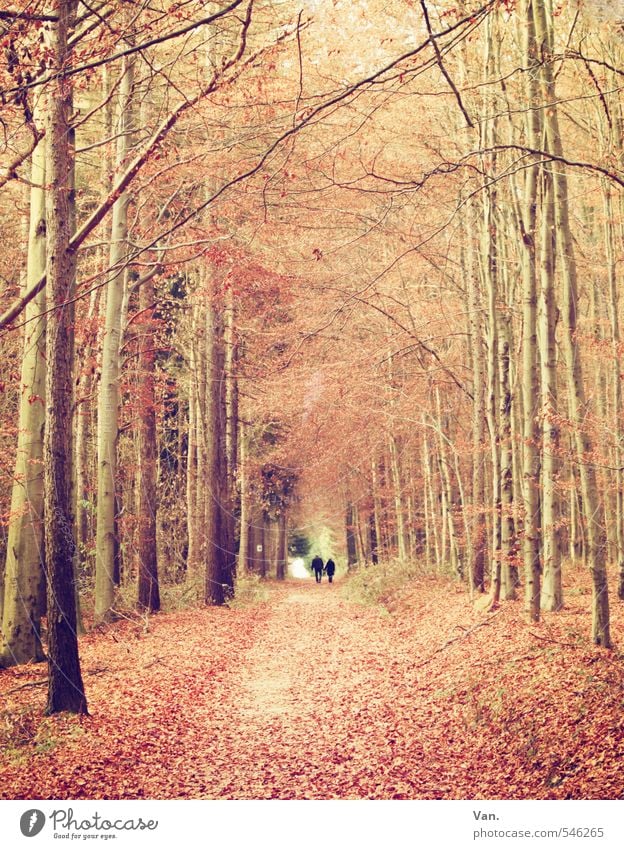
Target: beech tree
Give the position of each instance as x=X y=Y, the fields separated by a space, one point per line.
x=65 y=690
x=24 y=583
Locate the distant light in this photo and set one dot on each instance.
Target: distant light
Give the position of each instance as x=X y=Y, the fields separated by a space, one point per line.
x=298 y=569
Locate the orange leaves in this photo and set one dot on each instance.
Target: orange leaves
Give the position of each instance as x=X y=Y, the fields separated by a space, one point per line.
x=310 y=696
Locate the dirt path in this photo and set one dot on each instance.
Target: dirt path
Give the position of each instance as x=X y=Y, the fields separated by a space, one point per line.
x=291 y=699
x=311 y=696
x=309 y=689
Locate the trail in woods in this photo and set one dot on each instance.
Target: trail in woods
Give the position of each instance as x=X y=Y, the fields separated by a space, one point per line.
x=310 y=695
x=318 y=703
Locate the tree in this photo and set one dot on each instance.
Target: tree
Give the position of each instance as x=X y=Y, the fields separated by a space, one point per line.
x=109 y=396
x=148 y=595
x=24 y=593
x=65 y=687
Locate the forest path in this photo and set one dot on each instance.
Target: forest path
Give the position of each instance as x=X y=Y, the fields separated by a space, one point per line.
x=306 y=695
x=309 y=695
x=316 y=708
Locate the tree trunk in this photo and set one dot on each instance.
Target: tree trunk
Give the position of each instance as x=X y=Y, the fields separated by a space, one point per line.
x=490 y=275
x=24 y=588
x=372 y=535
x=84 y=427
x=378 y=512
x=243 y=543
x=552 y=588
x=397 y=487
x=192 y=556
x=65 y=687
x=216 y=586
x=447 y=493
x=109 y=397
x=508 y=584
x=148 y=591
x=618 y=455
x=282 y=553
x=579 y=408
x=530 y=382
x=350 y=536
x=478 y=548
x=231 y=426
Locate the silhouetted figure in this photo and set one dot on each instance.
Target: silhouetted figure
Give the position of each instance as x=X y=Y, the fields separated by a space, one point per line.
x=317 y=568
x=330 y=568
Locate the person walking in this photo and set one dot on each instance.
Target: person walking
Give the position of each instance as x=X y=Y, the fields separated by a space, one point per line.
x=317 y=568
x=330 y=568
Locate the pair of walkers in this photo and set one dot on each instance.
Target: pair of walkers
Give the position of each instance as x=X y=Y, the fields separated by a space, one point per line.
x=318 y=568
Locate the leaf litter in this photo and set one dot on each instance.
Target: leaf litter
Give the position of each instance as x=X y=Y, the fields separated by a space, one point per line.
x=310 y=695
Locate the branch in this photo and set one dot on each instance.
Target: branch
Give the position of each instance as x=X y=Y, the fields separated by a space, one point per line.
x=98 y=215
x=553 y=157
x=38 y=683
x=11 y=169
x=20 y=304
x=455 y=639
x=70 y=72
x=419 y=342
x=311 y=115
x=557 y=642
x=10 y=15
x=445 y=74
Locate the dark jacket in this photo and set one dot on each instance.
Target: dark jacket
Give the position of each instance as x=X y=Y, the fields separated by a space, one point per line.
x=317 y=564
x=330 y=567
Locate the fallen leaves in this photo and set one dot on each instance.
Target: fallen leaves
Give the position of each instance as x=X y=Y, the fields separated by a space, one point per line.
x=311 y=696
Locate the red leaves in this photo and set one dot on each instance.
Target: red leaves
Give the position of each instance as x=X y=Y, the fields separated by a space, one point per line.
x=311 y=696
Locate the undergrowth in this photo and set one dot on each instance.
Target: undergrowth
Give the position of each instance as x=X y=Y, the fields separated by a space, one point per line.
x=382 y=583
x=23 y=734
x=250 y=589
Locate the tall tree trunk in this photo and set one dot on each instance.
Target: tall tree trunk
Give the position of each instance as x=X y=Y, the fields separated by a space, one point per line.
x=350 y=536
x=490 y=274
x=618 y=455
x=148 y=591
x=226 y=430
x=231 y=424
x=192 y=555
x=243 y=544
x=552 y=588
x=264 y=538
x=490 y=270
x=397 y=486
x=282 y=548
x=431 y=525
x=447 y=492
x=382 y=551
x=530 y=381
x=596 y=537
x=508 y=584
x=478 y=548
x=216 y=575
x=65 y=687
x=109 y=397
x=372 y=535
x=24 y=588
x=84 y=426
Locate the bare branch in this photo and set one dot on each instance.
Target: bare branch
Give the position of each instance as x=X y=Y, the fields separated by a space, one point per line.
x=70 y=72
x=445 y=73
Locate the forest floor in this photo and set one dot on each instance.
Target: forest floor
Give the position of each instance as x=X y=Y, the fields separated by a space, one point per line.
x=310 y=695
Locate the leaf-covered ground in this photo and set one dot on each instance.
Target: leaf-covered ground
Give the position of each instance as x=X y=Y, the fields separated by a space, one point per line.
x=310 y=695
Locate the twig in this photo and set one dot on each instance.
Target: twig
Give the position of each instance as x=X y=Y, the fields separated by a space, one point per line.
x=39 y=683
x=445 y=73
x=550 y=640
x=455 y=639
